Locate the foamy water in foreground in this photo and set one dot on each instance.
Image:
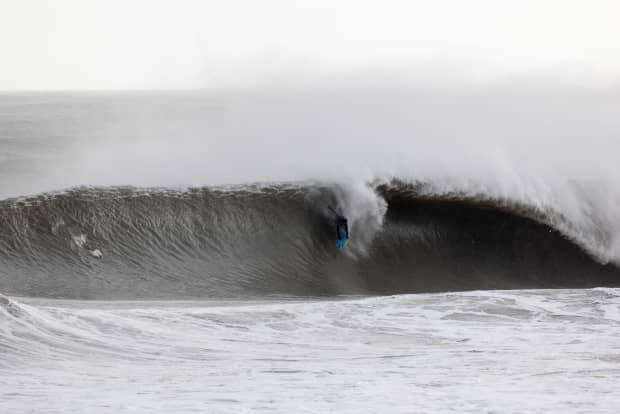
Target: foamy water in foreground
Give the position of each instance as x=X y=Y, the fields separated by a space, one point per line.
x=485 y=351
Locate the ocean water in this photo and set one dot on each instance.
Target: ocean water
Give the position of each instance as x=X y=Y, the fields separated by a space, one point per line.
x=175 y=252
x=503 y=351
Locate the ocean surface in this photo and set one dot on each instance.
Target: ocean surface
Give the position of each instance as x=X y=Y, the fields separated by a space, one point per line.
x=175 y=253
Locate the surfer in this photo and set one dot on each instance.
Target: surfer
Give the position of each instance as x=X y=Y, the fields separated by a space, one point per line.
x=342 y=229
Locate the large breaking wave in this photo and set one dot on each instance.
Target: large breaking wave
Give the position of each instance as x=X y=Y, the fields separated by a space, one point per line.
x=244 y=241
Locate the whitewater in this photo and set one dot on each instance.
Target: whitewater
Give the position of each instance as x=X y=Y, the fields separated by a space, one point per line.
x=505 y=351
x=173 y=252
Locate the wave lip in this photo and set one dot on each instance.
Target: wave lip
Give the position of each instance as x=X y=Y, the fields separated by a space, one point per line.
x=124 y=243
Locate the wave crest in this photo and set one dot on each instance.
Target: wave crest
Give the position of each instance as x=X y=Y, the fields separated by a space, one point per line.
x=113 y=243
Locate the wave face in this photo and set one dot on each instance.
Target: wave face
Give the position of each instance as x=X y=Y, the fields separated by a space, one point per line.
x=121 y=243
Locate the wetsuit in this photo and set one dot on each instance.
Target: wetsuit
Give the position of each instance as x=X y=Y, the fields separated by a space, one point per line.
x=342 y=232
x=342 y=228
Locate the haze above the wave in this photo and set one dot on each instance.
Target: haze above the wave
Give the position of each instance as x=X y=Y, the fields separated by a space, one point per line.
x=192 y=44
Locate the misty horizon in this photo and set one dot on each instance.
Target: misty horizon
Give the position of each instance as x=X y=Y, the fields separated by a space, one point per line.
x=142 y=45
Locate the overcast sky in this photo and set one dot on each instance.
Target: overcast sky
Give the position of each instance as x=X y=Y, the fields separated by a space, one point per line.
x=154 y=44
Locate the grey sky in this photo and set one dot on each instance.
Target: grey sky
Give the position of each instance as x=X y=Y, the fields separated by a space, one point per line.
x=114 y=44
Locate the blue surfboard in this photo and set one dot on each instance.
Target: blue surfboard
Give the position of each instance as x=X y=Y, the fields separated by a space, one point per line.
x=341 y=243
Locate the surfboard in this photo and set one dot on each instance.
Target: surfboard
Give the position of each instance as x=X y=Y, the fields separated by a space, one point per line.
x=342 y=243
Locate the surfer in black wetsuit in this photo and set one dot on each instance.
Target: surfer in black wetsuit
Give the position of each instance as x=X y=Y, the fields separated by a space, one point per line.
x=342 y=229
